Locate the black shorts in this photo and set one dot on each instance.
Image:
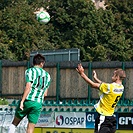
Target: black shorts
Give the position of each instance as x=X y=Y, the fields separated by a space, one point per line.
x=105 y=124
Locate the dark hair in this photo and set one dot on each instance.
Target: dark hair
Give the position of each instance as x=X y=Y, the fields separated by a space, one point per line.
x=38 y=58
x=121 y=73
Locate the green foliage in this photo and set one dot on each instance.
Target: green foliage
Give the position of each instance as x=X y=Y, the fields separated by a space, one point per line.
x=3 y=101
x=23 y=33
x=101 y=35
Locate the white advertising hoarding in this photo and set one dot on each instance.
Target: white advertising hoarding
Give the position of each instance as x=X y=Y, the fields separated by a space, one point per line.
x=70 y=119
x=46 y=120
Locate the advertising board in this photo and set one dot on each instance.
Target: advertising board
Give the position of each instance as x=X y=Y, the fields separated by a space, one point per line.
x=70 y=119
x=125 y=121
x=66 y=120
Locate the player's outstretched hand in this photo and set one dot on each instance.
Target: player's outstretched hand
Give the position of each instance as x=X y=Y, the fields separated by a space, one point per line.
x=21 y=105
x=80 y=69
x=94 y=74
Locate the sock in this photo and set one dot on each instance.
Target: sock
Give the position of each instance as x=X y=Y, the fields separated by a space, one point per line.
x=11 y=129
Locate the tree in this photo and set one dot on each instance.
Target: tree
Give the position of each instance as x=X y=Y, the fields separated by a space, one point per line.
x=101 y=35
x=22 y=28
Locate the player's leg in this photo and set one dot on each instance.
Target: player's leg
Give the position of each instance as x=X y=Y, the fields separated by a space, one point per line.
x=113 y=128
x=33 y=115
x=30 y=128
x=19 y=115
x=99 y=124
x=97 y=120
x=109 y=125
x=14 y=124
x=16 y=121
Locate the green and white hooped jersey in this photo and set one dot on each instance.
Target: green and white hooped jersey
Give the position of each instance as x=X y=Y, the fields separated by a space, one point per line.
x=40 y=81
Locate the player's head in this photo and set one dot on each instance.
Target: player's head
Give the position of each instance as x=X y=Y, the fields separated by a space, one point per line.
x=38 y=60
x=119 y=74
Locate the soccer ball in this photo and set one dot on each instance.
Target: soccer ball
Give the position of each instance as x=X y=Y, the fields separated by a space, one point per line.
x=43 y=17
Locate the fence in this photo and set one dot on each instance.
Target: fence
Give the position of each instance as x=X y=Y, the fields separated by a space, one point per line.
x=66 y=83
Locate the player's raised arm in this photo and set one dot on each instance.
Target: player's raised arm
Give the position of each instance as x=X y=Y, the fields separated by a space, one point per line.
x=80 y=70
x=96 y=78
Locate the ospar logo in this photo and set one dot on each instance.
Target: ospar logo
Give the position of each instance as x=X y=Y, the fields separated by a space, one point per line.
x=59 y=120
x=69 y=120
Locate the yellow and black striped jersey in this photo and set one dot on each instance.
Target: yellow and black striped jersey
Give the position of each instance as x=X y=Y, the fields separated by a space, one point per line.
x=109 y=97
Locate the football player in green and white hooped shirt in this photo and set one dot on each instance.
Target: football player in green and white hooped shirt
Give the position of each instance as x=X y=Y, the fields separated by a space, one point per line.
x=37 y=84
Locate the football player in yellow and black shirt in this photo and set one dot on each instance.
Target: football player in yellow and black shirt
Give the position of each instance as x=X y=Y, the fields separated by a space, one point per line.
x=109 y=97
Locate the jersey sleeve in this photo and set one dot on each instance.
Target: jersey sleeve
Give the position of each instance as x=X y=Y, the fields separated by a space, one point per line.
x=105 y=88
x=48 y=81
x=28 y=75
